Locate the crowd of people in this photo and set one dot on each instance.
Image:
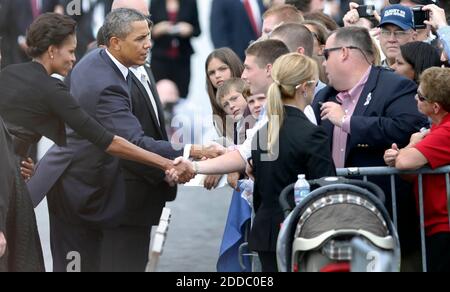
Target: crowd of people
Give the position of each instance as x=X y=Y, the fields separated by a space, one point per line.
x=295 y=87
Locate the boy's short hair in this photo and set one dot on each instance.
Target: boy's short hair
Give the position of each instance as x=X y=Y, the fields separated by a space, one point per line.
x=236 y=84
x=285 y=12
x=267 y=51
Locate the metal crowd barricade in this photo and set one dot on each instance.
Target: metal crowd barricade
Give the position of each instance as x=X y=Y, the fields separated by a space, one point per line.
x=392 y=172
x=159 y=240
x=244 y=250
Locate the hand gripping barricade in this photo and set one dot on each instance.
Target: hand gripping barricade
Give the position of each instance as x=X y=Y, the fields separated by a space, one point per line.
x=341 y=226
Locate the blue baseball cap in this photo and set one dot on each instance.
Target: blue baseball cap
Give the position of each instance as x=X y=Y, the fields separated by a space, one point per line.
x=399 y=15
x=420 y=2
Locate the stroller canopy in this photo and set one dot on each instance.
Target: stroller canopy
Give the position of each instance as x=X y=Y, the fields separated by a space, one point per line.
x=322 y=227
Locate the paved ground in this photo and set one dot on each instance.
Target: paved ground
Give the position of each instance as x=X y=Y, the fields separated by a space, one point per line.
x=193 y=242
x=198 y=220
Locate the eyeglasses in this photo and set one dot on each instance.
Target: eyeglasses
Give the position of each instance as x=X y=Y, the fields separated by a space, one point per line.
x=326 y=52
x=421 y=97
x=308 y=83
x=398 y=34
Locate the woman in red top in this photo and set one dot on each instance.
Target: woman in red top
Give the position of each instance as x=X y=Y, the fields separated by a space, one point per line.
x=431 y=148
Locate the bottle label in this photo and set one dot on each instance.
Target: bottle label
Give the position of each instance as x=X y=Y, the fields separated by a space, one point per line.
x=304 y=194
x=300 y=194
x=297 y=198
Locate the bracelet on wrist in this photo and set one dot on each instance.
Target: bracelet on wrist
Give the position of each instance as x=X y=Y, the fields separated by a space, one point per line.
x=195 y=166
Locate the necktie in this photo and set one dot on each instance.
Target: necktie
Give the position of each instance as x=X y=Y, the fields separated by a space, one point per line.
x=146 y=83
x=35 y=8
x=130 y=82
x=251 y=16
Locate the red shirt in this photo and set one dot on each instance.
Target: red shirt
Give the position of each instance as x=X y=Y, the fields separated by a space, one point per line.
x=174 y=51
x=436 y=149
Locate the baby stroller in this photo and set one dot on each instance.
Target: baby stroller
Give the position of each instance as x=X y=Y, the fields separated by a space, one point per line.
x=341 y=226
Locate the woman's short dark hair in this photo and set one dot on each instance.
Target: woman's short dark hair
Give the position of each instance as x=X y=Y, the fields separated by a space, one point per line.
x=420 y=56
x=47 y=30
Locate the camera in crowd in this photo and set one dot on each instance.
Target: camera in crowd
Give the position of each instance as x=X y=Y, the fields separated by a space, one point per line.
x=419 y=17
x=418 y=2
x=366 y=11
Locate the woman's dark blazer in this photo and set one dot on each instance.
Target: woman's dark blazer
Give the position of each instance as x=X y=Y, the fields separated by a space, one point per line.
x=34 y=104
x=302 y=150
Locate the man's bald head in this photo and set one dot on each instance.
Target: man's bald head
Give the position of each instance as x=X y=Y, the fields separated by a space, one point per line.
x=139 y=5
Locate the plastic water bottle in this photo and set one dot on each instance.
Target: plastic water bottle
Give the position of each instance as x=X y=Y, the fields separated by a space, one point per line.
x=301 y=189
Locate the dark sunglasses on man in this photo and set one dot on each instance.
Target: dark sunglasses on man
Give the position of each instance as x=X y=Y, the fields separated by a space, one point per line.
x=326 y=52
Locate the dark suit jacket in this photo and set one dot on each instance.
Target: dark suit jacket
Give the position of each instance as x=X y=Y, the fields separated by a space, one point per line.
x=84 y=184
x=16 y=17
x=147 y=192
x=302 y=150
x=386 y=113
x=188 y=13
x=230 y=26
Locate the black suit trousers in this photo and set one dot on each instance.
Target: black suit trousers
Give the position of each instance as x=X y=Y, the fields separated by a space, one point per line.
x=125 y=249
x=73 y=242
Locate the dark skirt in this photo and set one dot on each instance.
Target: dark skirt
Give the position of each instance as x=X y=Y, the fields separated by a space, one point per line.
x=24 y=252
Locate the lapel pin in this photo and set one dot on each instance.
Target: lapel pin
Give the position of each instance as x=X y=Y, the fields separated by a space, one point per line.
x=368 y=99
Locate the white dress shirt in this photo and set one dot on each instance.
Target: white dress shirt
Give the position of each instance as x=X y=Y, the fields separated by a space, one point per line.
x=122 y=68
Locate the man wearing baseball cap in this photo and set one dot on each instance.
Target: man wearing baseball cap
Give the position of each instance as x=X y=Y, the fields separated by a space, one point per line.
x=423 y=35
x=412 y=3
x=397 y=29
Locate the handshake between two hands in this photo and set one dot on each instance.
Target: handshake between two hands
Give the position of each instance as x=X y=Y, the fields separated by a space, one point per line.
x=182 y=170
